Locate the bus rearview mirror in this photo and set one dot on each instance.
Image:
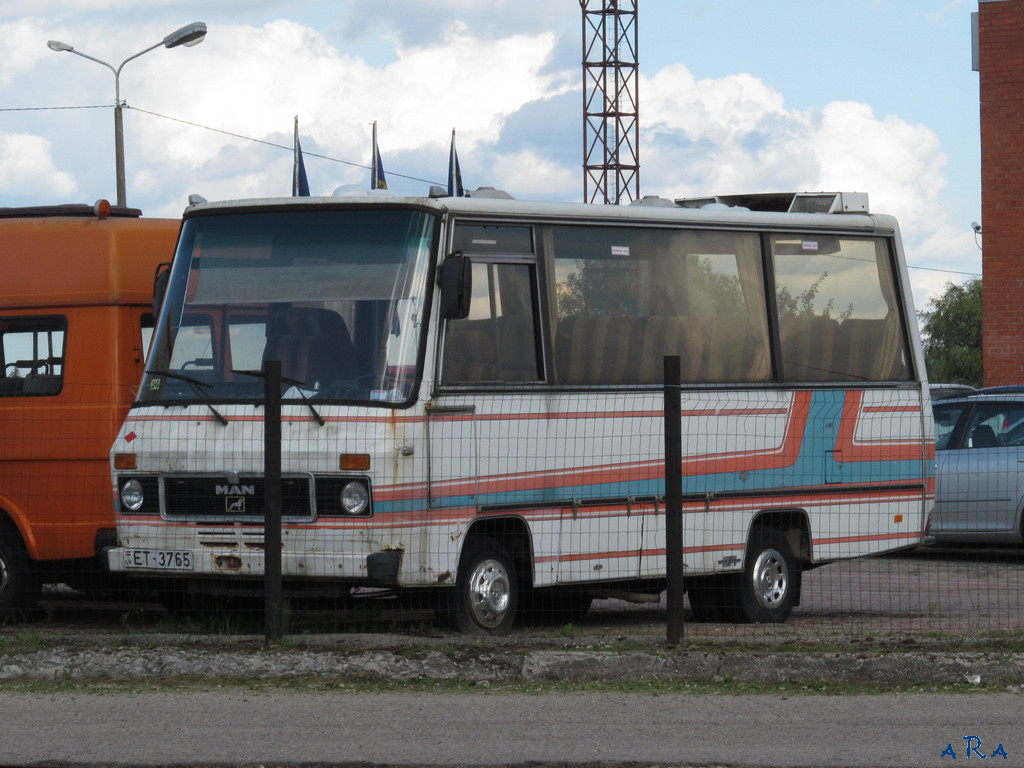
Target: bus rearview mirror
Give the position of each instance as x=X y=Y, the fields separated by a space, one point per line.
x=456 y=279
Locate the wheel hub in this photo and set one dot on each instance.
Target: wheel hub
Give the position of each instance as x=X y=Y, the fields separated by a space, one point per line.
x=5 y=576
x=771 y=579
x=490 y=591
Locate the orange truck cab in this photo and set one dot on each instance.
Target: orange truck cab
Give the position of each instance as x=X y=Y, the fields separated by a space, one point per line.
x=76 y=313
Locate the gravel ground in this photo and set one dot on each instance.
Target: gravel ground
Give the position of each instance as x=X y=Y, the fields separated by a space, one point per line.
x=930 y=621
x=368 y=659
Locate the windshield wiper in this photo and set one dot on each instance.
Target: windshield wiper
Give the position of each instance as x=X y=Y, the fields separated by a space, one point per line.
x=298 y=386
x=196 y=386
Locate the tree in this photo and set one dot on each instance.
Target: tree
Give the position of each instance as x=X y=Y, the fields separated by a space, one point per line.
x=951 y=335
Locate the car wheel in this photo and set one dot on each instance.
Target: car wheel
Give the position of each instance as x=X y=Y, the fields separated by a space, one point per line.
x=486 y=589
x=20 y=584
x=769 y=584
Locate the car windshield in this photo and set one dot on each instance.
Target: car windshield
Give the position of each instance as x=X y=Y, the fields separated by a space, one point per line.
x=336 y=295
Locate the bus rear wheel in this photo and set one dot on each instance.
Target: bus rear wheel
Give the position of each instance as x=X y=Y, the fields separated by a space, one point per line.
x=770 y=581
x=555 y=605
x=709 y=598
x=20 y=584
x=486 y=590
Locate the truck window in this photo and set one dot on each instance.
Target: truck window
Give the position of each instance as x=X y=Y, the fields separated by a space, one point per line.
x=33 y=355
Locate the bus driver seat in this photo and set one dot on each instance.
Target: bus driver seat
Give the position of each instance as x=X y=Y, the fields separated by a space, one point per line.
x=313 y=345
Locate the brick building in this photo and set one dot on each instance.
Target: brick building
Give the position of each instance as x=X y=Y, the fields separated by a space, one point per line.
x=999 y=58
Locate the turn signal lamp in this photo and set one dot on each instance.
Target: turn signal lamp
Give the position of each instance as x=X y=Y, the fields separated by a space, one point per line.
x=354 y=462
x=125 y=461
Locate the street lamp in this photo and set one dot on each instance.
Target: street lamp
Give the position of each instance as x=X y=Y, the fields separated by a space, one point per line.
x=189 y=35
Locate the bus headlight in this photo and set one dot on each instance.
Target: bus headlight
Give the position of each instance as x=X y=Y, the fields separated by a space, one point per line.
x=354 y=497
x=132 y=497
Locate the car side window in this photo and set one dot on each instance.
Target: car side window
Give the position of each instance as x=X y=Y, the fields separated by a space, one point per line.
x=994 y=425
x=1015 y=435
x=1012 y=432
x=946 y=418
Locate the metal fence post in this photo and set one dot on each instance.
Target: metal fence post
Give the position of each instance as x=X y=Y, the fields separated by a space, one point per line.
x=673 y=500
x=273 y=604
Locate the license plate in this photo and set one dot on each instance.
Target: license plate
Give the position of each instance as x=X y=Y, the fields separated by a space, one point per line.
x=167 y=559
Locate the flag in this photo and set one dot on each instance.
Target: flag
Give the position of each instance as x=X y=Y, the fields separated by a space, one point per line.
x=454 y=172
x=377 y=179
x=300 y=184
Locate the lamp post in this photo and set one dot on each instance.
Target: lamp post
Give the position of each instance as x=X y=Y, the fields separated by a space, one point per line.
x=189 y=35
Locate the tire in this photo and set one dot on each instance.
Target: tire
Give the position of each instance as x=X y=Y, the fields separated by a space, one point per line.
x=555 y=605
x=770 y=582
x=20 y=582
x=709 y=598
x=486 y=589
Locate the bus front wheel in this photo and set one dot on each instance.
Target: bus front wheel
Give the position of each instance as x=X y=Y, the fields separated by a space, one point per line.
x=487 y=590
x=20 y=584
x=770 y=580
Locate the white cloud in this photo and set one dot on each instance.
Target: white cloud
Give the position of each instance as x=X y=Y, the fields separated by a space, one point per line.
x=24 y=45
x=721 y=109
x=26 y=165
x=419 y=72
x=253 y=80
x=734 y=134
x=533 y=173
x=900 y=164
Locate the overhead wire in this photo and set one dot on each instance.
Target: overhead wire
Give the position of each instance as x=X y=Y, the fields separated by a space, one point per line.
x=338 y=160
x=233 y=134
x=305 y=153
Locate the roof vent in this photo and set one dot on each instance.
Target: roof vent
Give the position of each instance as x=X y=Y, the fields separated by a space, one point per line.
x=357 y=190
x=799 y=202
x=655 y=201
x=491 y=192
x=829 y=202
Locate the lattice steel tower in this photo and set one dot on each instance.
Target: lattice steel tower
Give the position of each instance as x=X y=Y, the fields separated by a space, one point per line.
x=611 y=106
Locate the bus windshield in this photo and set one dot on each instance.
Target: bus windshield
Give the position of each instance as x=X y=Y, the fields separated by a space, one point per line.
x=337 y=296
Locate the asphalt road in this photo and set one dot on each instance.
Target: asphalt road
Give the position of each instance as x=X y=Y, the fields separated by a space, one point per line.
x=245 y=728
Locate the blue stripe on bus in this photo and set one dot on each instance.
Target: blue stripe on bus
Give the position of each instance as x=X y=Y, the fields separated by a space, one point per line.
x=815 y=467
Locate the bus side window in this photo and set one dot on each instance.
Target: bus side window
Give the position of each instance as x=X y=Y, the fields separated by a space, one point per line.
x=497 y=342
x=724 y=287
x=838 y=309
x=625 y=298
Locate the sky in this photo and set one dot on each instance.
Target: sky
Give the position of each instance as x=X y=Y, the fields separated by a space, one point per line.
x=735 y=96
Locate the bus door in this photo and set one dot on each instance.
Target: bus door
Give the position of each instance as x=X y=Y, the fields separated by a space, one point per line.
x=494 y=444
x=482 y=450
x=451 y=432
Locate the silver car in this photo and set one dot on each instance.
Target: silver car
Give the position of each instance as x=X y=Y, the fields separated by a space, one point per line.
x=980 y=467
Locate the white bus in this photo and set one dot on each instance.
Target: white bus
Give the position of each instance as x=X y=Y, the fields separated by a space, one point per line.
x=473 y=402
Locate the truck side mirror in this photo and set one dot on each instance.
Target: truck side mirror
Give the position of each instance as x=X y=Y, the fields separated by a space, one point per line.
x=456 y=280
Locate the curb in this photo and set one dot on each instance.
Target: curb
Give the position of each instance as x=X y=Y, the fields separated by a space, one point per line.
x=496 y=666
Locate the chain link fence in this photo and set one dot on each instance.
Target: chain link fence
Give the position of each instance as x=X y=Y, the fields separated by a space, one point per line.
x=951 y=591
